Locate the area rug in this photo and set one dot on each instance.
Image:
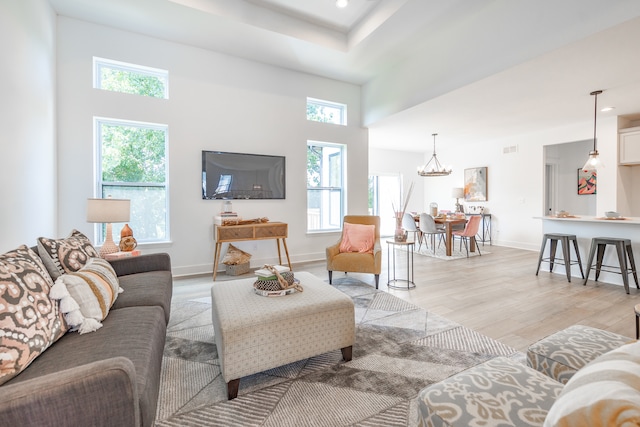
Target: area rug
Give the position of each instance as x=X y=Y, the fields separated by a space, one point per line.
x=399 y=349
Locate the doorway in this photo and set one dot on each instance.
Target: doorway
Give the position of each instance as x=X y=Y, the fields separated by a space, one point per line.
x=384 y=193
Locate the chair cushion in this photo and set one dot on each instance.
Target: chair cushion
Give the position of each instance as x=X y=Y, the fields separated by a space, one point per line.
x=357 y=238
x=606 y=392
x=29 y=320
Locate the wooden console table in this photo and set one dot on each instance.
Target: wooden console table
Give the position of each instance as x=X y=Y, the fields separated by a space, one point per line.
x=258 y=231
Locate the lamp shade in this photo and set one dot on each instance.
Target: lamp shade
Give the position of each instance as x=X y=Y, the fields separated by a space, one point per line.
x=457 y=192
x=108 y=210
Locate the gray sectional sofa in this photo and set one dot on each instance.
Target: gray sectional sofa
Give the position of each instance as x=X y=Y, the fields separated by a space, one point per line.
x=109 y=377
x=579 y=376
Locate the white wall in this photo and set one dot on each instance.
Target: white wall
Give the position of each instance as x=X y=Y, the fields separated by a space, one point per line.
x=515 y=181
x=27 y=122
x=216 y=102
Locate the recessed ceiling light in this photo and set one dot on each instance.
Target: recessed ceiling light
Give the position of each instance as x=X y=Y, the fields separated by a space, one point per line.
x=605 y=109
x=342 y=3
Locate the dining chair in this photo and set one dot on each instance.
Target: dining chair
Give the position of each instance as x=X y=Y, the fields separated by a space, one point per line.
x=409 y=224
x=470 y=230
x=428 y=227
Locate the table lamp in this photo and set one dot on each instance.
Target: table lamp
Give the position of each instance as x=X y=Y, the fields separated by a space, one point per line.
x=108 y=211
x=458 y=193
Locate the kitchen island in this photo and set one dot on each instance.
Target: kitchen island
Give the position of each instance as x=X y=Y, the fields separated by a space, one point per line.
x=587 y=227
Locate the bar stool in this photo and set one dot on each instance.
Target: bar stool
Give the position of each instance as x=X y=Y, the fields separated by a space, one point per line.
x=623 y=247
x=566 y=256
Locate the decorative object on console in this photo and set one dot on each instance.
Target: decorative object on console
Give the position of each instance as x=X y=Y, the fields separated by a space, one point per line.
x=458 y=193
x=475 y=184
x=435 y=168
x=594 y=162
x=108 y=211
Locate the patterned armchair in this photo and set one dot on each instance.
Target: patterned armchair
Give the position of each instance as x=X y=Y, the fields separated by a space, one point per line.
x=357 y=262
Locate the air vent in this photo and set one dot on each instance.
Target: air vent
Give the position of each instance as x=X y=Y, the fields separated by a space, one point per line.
x=510 y=149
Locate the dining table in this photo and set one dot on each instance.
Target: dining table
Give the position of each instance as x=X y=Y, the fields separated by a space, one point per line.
x=449 y=223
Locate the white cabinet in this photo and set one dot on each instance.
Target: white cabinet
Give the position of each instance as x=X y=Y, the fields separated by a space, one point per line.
x=629 y=146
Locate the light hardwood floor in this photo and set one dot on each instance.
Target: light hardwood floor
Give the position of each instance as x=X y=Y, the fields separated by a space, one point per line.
x=497 y=294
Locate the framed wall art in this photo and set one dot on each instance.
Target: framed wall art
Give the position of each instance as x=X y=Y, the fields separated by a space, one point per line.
x=587 y=182
x=475 y=184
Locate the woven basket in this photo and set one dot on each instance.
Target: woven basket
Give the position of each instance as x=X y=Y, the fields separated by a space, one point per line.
x=237 y=269
x=273 y=285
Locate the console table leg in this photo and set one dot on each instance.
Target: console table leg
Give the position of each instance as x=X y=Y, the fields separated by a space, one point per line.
x=286 y=251
x=279 y=256
x=216 y=258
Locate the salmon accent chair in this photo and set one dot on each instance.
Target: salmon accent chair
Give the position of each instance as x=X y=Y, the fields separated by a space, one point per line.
x=470 y=230
x=357 y=262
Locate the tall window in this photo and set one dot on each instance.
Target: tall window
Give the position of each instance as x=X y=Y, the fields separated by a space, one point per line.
x=130 y=78
x=326 y=111
x=325 y=186
x=132 y=164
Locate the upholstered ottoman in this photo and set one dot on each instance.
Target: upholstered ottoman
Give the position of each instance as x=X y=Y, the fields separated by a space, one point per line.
x=255 y=333
x=560 y=355
x=497 y=392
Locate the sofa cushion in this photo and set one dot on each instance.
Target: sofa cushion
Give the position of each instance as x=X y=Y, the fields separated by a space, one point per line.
x=87 y=295
x=357 y=238
x=497 y=392
x=29 y=320
x=606 y=392
x=562 y=354
x=66 y=255
x=153 y=288
x=137 y=333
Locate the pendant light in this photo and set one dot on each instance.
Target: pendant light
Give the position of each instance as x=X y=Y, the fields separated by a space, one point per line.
x=594 y=162
x=433 y=166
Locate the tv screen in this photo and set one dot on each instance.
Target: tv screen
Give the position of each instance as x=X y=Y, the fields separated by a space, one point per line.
x=242 y=176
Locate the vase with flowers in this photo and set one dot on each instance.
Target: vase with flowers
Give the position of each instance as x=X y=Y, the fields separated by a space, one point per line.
x=400 y=234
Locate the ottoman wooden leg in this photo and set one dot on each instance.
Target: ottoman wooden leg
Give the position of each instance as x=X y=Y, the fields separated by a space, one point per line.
x=347 y=353
x=232 y=388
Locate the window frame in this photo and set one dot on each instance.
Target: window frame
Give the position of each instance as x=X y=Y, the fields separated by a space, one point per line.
x=99 y=63
x=342 y=108
x=331 y=187
x=99 y=183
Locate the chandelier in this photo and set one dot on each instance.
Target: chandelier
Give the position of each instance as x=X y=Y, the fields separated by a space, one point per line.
x=594 y=162
x=433 y=166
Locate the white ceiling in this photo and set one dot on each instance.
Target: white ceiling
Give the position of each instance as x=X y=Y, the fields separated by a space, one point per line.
x=563 y=50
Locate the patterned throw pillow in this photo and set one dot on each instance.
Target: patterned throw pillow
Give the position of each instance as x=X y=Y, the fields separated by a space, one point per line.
x=67 y=255
x=87 y=295
x=357 y=237
x=606 y=392
x=29 y=321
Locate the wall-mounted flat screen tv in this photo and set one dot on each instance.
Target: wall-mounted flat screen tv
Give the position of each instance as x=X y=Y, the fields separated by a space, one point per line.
x=242 y=176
